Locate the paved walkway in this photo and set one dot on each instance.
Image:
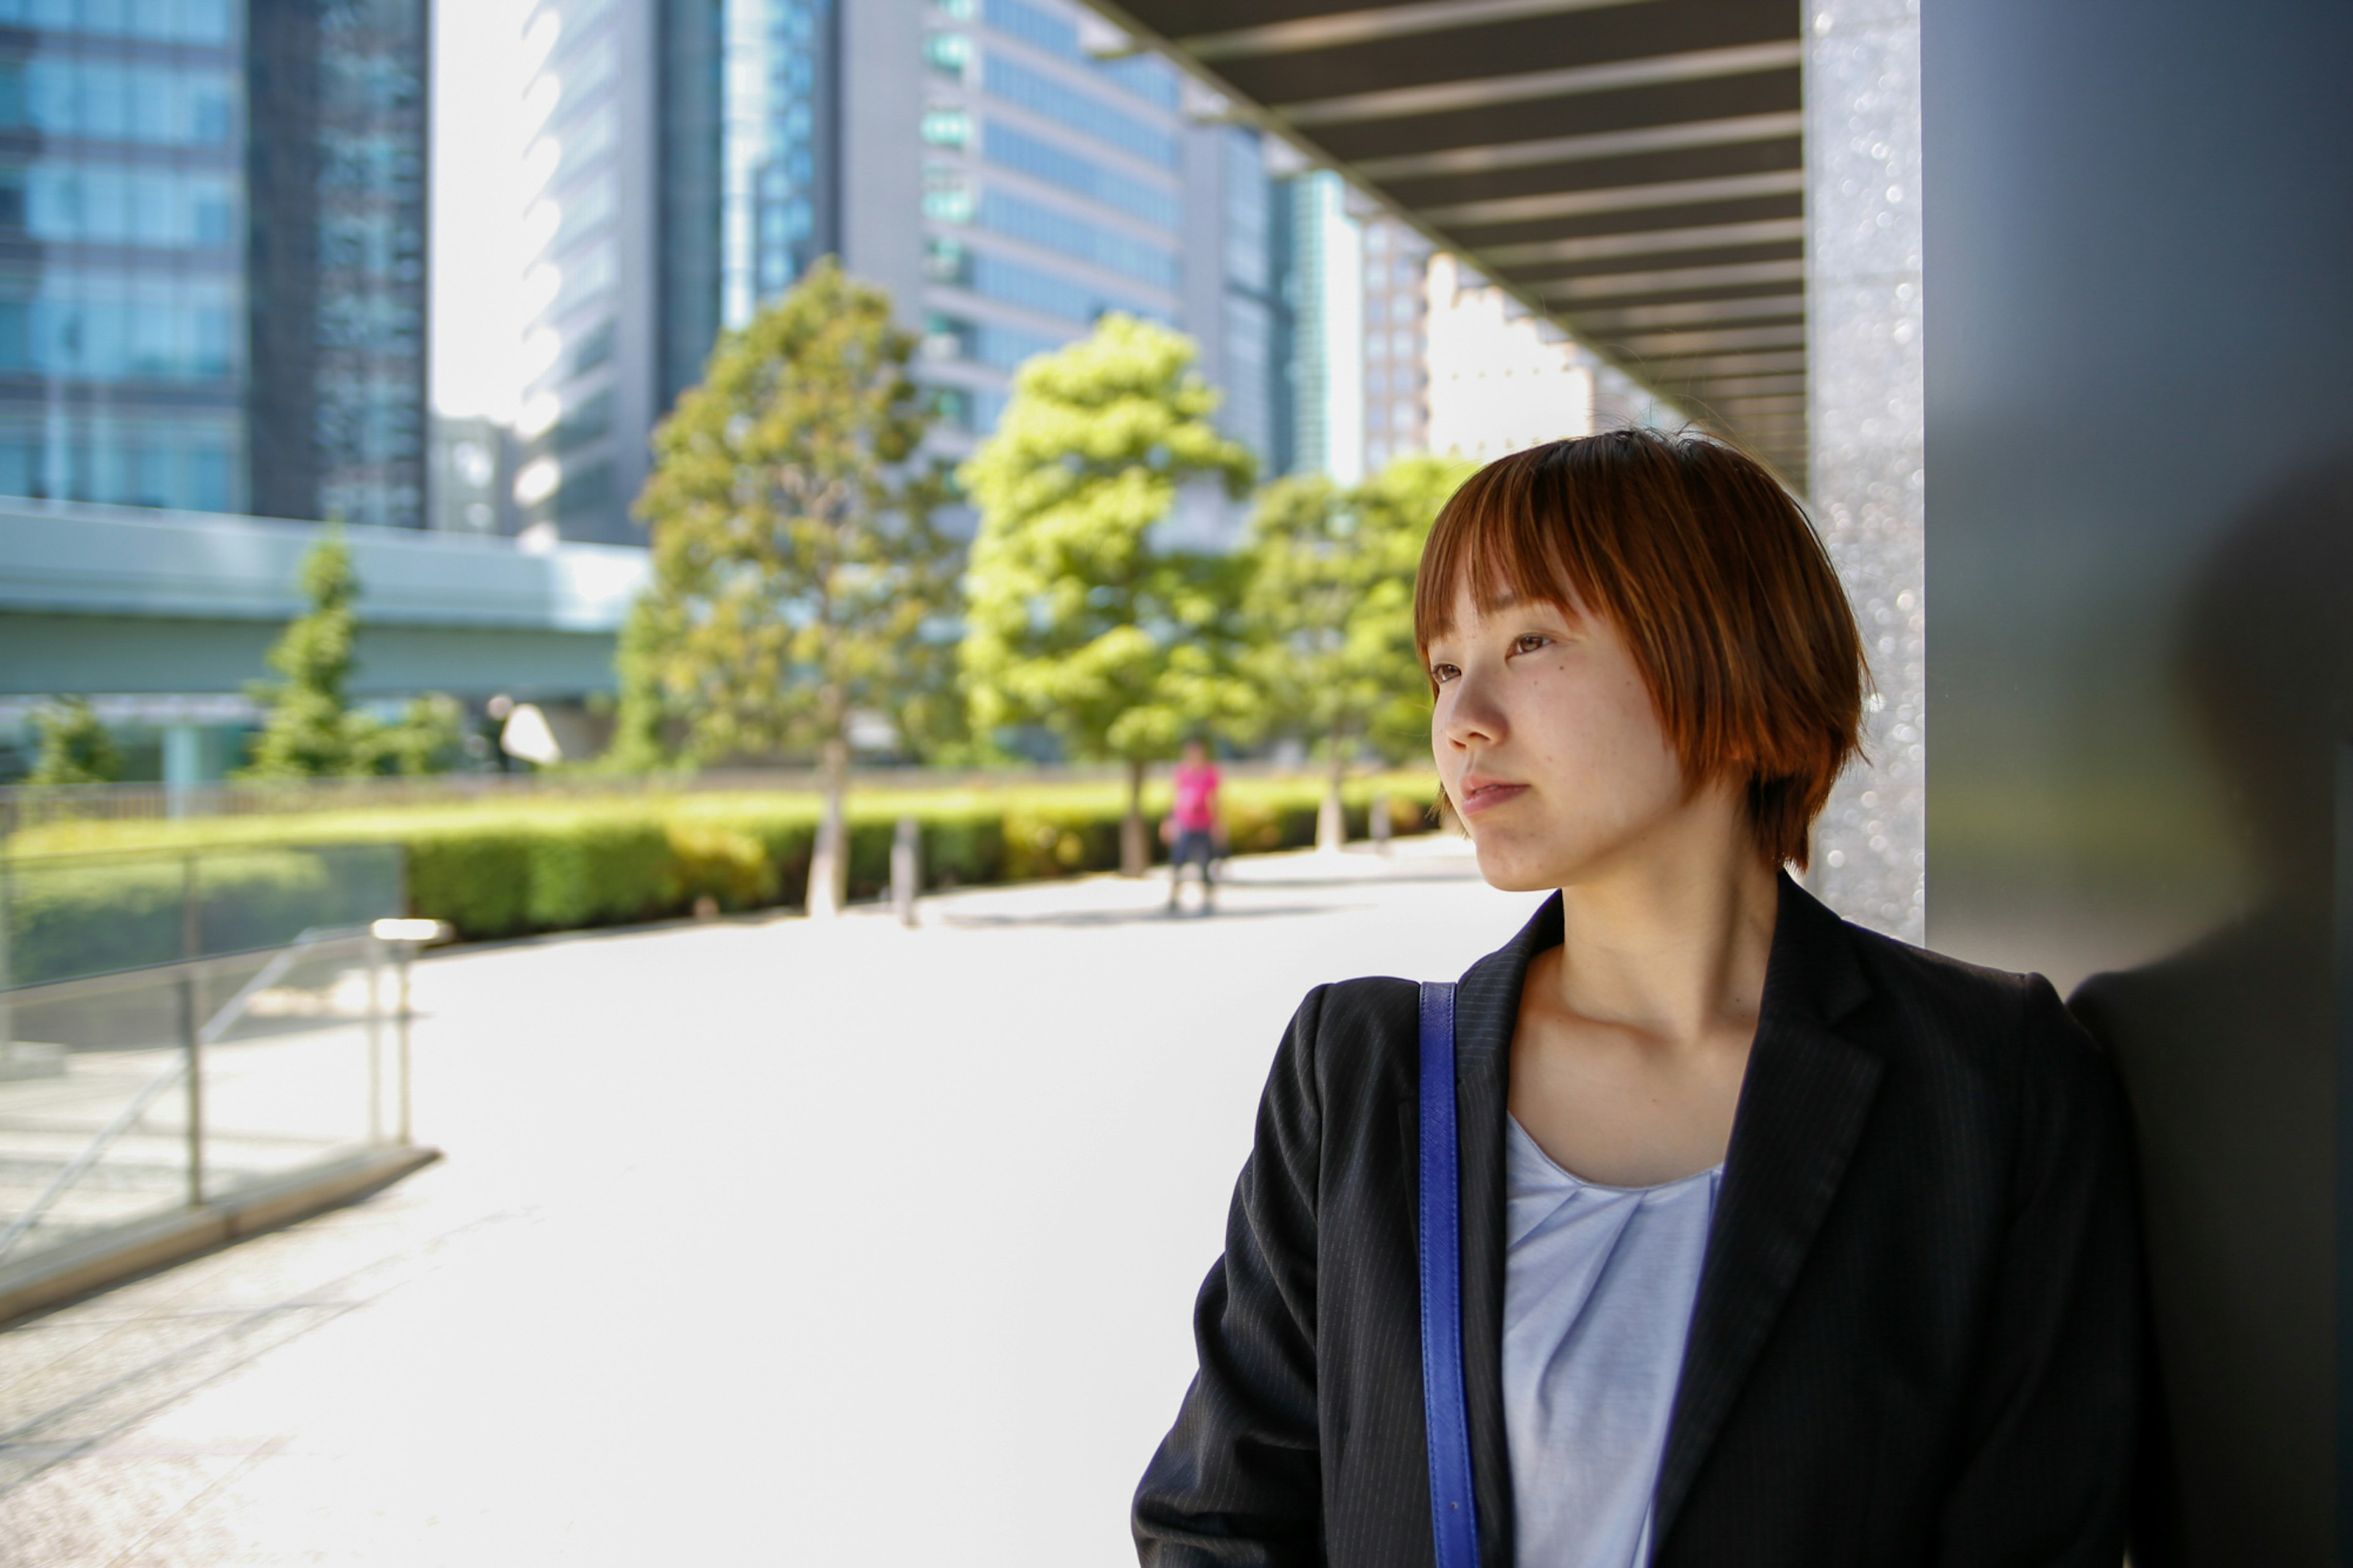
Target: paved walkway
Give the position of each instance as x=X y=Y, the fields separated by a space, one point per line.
x=757 y=1243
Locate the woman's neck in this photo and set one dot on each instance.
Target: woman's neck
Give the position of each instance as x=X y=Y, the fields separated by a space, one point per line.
x=1671 y=943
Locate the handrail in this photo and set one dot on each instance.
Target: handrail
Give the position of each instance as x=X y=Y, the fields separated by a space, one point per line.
x=312 y=943
x=333 y=942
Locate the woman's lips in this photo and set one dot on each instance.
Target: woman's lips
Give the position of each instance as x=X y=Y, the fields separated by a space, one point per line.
x=1484 y=796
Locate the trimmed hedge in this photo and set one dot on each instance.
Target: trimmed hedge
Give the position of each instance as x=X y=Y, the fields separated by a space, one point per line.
x=507 y=869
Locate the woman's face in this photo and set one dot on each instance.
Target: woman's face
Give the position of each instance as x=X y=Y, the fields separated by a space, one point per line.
x=1549 y=745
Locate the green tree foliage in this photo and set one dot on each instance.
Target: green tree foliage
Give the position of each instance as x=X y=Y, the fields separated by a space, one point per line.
x=1082 y=617
x=428 y=738
x=312 y=730
x=798 y=577
x=1330 y=611
x=75 y=747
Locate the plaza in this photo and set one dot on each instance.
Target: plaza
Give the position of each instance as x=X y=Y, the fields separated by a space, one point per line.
x=755 y=1241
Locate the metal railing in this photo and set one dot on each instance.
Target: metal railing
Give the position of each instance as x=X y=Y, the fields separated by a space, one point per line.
x=375 y=944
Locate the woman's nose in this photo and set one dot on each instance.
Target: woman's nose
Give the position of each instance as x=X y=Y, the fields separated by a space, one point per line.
x=1468 y=713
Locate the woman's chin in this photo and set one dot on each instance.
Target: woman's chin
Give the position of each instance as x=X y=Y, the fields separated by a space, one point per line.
x=1507 y=870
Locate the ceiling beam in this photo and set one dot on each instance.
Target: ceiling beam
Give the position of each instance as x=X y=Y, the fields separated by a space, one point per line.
x=1683 y=373
x=1476 y=91
x=1728 y=133
x=1668 y=280
x=1342 y=27
x=1647 y=242
x=1621 y=198
x=1663 y=346
x=1688 y=312
x=1736 y=386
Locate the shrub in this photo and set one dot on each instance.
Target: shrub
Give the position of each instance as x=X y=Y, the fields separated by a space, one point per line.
x=510 y=868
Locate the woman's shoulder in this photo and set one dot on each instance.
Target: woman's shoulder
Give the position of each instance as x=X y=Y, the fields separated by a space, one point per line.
x=1978 y=1019
x=1350 y=1034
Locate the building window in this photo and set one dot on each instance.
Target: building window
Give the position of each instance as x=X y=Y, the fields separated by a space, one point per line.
x=1081 y=111
x=947 y=195
x=950 y=54
x=1058 y=165
x=947 y=260
x=953 y=406
x=949 y=337
x=1074 y=235
x=594 y=347
x=586 y=494
x=591 y=420
x=947 y=128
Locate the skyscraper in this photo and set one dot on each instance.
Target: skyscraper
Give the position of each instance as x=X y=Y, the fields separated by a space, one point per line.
x=212 y=255
x=691 y=158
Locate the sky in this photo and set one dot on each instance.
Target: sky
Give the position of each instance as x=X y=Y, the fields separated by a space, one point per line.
x=477 y=219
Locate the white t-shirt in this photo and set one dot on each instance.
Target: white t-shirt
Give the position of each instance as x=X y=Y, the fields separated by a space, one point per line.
x=1598 y=1284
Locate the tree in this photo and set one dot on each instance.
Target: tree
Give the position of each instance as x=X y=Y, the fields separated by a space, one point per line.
x=312 y=730
x=798 y=577
x=429 y=737
x=75 y=746
x=1083 y=616
x=1330 y=611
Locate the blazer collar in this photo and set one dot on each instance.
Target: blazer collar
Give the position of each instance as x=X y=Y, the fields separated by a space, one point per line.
x=1802 y=1105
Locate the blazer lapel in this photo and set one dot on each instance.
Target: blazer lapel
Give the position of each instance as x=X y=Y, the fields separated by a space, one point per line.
x=1486 y=1012
x=1802 y=1105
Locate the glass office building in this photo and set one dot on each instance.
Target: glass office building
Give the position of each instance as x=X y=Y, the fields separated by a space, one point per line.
x=1053 y=191
x=690 y=159
x=212 y=255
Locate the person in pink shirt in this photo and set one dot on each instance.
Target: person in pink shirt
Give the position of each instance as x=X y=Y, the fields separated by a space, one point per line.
x=1191 y=830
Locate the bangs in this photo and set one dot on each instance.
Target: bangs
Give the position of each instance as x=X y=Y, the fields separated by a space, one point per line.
x=1492 y=538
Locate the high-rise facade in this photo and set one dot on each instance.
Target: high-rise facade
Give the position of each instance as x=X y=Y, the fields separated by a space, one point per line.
x=212 y=255
x=691 y=158
x=1396 y=266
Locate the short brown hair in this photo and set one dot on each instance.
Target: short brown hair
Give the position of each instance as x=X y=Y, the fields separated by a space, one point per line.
x=1709 y=570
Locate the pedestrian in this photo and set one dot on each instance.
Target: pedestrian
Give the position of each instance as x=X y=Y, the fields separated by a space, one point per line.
x=1192 y=828
x=1694 y=1227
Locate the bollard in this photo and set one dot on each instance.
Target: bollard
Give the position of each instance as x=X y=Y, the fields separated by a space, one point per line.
x=375 y=956
x=1380 y=825
x=906 y=869
x=403 y=937
x=191 y=1047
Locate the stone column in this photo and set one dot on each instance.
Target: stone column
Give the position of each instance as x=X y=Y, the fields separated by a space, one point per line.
x=1863 y=376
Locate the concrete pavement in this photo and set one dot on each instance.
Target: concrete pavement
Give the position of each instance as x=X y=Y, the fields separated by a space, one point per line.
x=757 y=1242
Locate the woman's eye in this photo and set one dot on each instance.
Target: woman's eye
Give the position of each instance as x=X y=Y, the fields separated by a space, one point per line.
x=1443 y=673
x=1530 y=642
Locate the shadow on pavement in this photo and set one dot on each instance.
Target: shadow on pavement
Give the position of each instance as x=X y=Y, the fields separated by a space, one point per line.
x=1074 y=918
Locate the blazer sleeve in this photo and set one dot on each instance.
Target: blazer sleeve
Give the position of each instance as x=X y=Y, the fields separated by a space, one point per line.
x=1237 y=1479
x=2043 y=1471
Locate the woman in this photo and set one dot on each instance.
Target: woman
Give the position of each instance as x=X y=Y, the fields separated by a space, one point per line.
x=1782 y=1243
x=1191 y=828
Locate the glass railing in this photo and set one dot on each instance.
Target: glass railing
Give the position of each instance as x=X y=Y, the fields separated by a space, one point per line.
x=176 y=1029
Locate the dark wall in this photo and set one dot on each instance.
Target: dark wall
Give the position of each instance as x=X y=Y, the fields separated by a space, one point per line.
x=2140 y=283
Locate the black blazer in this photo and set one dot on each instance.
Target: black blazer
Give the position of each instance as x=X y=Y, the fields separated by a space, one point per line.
x=1917 y=1327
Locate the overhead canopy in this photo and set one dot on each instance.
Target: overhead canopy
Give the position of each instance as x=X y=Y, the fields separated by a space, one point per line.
x=1635 y=169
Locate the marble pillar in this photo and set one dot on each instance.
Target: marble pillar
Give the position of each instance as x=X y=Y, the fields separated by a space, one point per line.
x=1863 y=379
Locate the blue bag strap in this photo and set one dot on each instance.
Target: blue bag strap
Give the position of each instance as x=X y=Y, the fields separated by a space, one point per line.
x=1454 y=1515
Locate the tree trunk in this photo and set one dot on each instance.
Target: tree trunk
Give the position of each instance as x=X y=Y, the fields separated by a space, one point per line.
x=1330 y=818
x=828 y=884
x=1134 y=850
